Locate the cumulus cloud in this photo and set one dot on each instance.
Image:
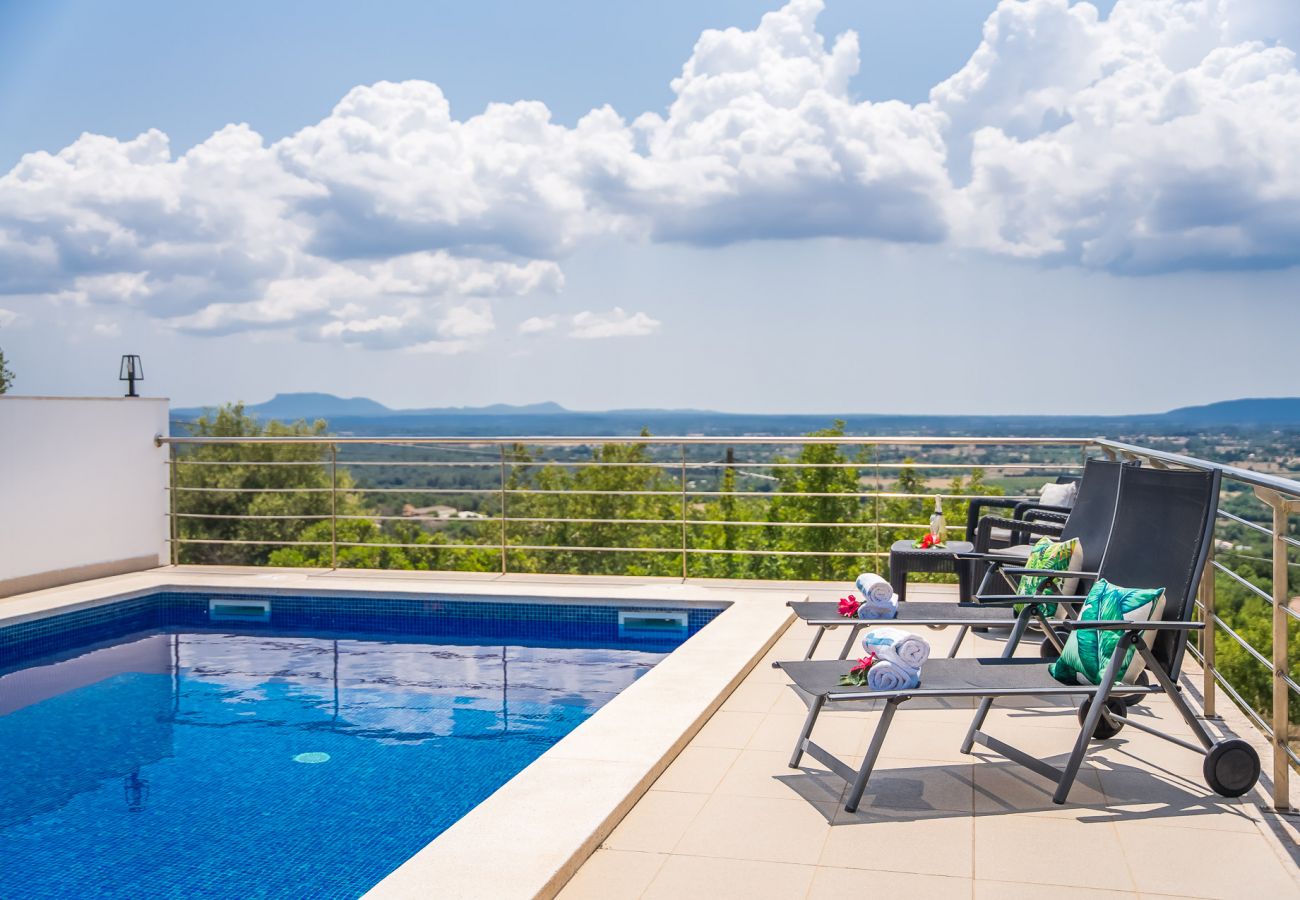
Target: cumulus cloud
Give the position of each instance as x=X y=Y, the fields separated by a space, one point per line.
x=615 y=323
x=538 y=325
x=1159 y=137
x=1138 y=143
x=764 y=140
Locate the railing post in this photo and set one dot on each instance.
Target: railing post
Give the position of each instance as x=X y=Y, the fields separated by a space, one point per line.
x=1281 y=693
x=1208 y=685
x=173 y=527
x=334 y=506
x=504 y=554
x=1281 y=724
x=684 y=569
x=875 y=501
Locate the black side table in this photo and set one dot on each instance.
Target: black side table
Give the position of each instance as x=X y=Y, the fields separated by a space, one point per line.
x=905 y=558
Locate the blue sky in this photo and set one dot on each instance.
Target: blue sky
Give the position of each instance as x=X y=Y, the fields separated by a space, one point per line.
x=800 y=222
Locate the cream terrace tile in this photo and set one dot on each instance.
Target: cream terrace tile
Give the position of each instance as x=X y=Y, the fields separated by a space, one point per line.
x=1004 y=788
x=842 y=734
x=704 y=878
x=766 y=773
x=1216 y=864
x=924 y=843
x=1010 y=890
x=1046 y=850
x=754 y=697
x=958 y=825
x=728 y=728
x=613 y=875
x=656 y=823
x=697 y=770
x=855 y=884
x=758 y=828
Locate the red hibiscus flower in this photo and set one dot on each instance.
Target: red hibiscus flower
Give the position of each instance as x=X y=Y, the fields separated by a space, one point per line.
x=863 y=664
x=849 y=606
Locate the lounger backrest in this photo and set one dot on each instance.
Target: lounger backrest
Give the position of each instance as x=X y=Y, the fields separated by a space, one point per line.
x=1164 y=523
x=1094 y=511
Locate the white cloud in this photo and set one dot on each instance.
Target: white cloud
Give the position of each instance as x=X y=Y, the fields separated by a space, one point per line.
x=107 y=329
x=764 y=140
x=471 y=320
x=7 y=317
x=538 y=325
x=615 y=323
x=1140 y=143
x=1161 y=137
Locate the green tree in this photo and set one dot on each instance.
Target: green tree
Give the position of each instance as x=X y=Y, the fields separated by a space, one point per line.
x=6 y=375
x=285 y=489
x=624 y=502
x=823 y=482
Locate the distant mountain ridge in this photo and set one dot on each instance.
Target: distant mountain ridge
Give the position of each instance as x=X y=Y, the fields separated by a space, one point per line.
x=309 y=405
x=1247 y=411
x=361 y=415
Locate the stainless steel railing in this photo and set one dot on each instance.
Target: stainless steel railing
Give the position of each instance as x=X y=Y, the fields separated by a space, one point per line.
x=691 y=485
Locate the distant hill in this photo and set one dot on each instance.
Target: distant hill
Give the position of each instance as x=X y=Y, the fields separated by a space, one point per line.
x=313 y=406
x=362 y=416
x=294 y=406
x=1263 y=411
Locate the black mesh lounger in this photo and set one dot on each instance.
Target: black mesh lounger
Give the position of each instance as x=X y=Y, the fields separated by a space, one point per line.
x=1089 y=521
x=1164 y=523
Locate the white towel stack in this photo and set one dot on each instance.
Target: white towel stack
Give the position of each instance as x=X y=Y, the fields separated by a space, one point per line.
x=899 y=658
x=878 y=598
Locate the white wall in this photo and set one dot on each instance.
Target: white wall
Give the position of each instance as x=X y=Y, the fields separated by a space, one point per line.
x=83 y=489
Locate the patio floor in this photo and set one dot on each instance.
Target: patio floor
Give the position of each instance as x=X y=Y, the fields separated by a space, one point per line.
x=729 y=819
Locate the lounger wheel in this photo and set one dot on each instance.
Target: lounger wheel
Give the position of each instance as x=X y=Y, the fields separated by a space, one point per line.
x=1134 y=699
x=1047 y=650
x=1105 y=727
x=1231 y=767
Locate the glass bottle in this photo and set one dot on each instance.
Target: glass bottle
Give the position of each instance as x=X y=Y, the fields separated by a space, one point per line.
x=938 y=527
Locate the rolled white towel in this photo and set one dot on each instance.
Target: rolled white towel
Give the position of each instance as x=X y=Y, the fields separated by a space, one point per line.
x=897 y=646
x=873 y=588
x=886 y=675
x=871 y=609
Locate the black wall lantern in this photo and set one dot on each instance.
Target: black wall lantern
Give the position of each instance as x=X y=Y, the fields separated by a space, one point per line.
x=132 y=371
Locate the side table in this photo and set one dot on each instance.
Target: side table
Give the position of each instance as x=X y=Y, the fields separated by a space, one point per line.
x=905 y=558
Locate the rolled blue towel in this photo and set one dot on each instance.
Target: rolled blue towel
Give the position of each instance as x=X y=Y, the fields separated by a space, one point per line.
x=873 y=588
x=897 y=646
x=886 y=675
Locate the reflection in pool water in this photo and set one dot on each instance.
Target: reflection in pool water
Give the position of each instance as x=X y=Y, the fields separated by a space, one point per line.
x=172 y=764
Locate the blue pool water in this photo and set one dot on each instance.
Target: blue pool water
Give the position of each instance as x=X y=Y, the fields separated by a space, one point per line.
x=150 y=752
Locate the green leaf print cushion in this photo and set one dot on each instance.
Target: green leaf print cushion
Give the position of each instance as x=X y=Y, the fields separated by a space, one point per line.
x=1057 y=556
x=1088 y=651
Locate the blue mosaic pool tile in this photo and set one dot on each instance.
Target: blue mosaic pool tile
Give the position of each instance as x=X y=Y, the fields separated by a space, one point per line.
x=428 y=616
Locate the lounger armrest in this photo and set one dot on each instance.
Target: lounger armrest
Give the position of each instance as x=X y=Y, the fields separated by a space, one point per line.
x=1025 y=506
x=991 y=556
x=975 y=511
x=1050 y=573
x=1125 y=625
x=1017 y=527
x=1007 y=599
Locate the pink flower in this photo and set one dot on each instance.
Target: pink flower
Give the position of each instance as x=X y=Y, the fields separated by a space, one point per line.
x=849 y=606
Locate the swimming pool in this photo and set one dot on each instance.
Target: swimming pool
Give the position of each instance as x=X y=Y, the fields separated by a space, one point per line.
x=300 y=750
